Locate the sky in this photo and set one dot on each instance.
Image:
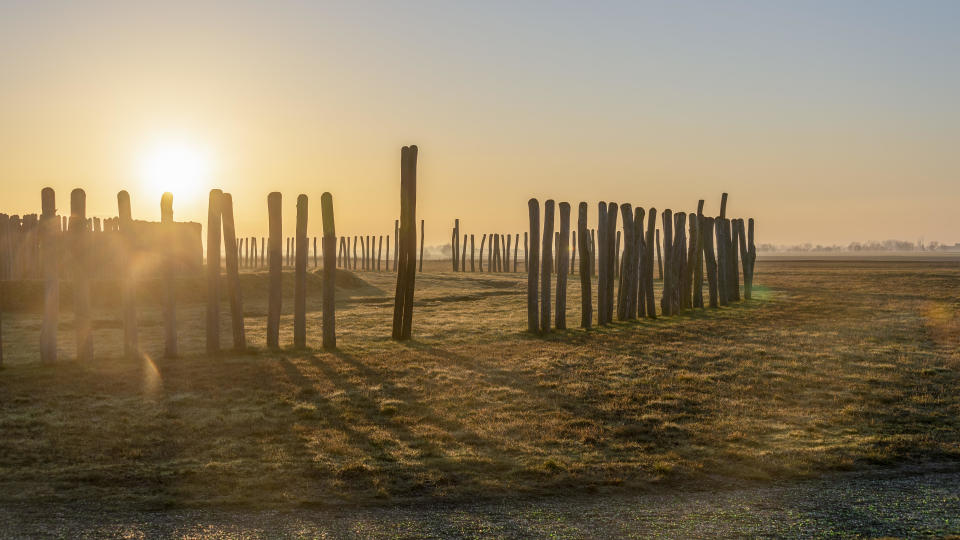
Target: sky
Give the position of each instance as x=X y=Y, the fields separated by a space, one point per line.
x=828 y=122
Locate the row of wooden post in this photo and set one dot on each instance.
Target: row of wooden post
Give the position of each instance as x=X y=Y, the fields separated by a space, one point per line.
x=688 y=247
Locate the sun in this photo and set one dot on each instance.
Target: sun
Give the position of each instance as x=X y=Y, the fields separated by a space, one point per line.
x=178 y=165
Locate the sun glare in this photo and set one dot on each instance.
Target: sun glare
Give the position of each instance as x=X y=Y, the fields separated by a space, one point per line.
x=179 y=166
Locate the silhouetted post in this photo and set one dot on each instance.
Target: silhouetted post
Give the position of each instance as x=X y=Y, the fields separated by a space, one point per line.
x=752 y=251
x=463 y=256
x=131 y=347
x=666 y=303
x=49 y=256
x=483 y=241
x=586 y=259
x=379 y=250
x=363 y=252
x=679 y=263
x=213 y=271
x=170 y=347
x=628 y=276
x=421 y=235
x=233 y=273
x=734 y=271
x=274 y=210
x=406 y=277
x=546 y=265
x=640 y=254
x=533 y=267
x=339 y=254
x=330 y=272
x=707 y=228
x=721 y=261
x=595 y=253
x=81 y=285
x=744 y=255
x=616 y=257
x=386 y=260
x=516 y=241
x=611 y=259
x=300 y=276
x=506 y=250
x=495 y=258
x=698 y=259
x=473 y=266
x=602 y=244
x=563 y=265
x=354 y=252
x=455 y=244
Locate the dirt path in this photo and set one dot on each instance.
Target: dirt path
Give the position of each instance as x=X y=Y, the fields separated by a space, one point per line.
x=902 y=503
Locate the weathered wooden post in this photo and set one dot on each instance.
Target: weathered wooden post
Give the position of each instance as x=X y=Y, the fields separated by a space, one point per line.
x=455 y=245
x=233 y=272
x=463 y=256
x=355 y=252
x=679 y=260
x=563 y=265
x=421 y=240
x=49 y=261
x=734 y=271
x=595 y=253
x=602 y=274
x=546 y=265
x=721 y=261
x=483 y=241
x=533 y=267
x=707 y=233
x=131 y=347
x=506 y=251
x=744 y=255
x=640 y=256
x=611 y=259
x=752 y=252
x=274 y=210
x=516 y=242
x=495 y=253
x=380 y=250
x=666 y=301
x=81 y=284
x=339 y=254
x=698 y=259
x=473 y=266
x=300 y=276
x=330 y=272
x=363 y=252
x=213 y=271
x=586 y=258
x=659 y=257
x=170 y=346
x=628 y=277
x=403 y=302
x=616 y=257
x=386 y=260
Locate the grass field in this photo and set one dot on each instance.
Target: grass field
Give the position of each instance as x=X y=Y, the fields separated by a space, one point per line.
x=835 y=365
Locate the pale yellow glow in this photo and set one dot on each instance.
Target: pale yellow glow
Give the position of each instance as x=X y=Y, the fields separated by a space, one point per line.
x=178 y=165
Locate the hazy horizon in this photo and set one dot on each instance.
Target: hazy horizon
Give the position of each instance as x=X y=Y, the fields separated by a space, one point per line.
x=827 y=122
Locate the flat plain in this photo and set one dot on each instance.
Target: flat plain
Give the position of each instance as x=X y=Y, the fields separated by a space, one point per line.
x=835 y=367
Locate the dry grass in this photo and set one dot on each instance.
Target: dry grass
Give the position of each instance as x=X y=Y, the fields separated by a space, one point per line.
x=834 y=365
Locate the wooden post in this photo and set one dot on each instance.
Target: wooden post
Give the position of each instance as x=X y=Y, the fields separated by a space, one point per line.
x=415 y=238
x=698 y=258
x=49 y=261
x=586 y=260
x=495 y=258
x=483 y=240
x=506 y=250
x=611 y=259
x=131 y=347
x=602 y=230
x=396 y=240
x=563 y=265
x=707 y=233
x=274 y=210
x=354 y=252
x=406 y=277
x=666 y=300
x=734 y=271
x=680 y=263
x=752 y=252
x=628 y=276
x=573 y=252
x=595 y=253
x=330 y=272
x=616 y=257
x=170 y=347
x=640 y=263
x=473 y=266
x=363 y=253
x=463 y=256
x=722 y=244
x=213 y=271
x=546 y=265
x=455 y=245
x=300 y=276
x=491 y=262
x=339 y=255
x=386 y=260
x=81 y=284
x=380 y=250
x=744 y=256
x=233 y=273
x=533 y=267
x=516 y=242
x=526 y=252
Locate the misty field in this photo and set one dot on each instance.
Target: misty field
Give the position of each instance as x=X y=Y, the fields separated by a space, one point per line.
x=834 y=365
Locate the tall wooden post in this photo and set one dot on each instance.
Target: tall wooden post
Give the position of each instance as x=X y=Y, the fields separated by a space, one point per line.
x=698 y=259
x=300 y=277
x=406 y=277
x=707 y=228
x=734 y=273
x=659 y=257
x=49 y=261
x=506 y=250
x=628 y=277
x=463 y=256
x=752 y=251
x=213 y=271
x=380 y=250
x=586 y=260
x=602 y=274
x=546 y=265
x=679 y=260
x=386 y=260
x=611 y=259
x=330 y=272
x=533 y=267
x=131 y=347
x=722 y=243
x=516 y=242
x=640 y=254
x=666 y=301
x=455 y=244
x=483 y=240
x=274 y=210
x=563 y=265
x=233 y=273
x=473 y=266
x=744 y=256
x=170 y=347
x=495 y=254
x=573 y=253
x=81 y=284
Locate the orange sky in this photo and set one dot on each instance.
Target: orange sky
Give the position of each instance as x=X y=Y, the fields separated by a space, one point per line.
x=827 y=123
